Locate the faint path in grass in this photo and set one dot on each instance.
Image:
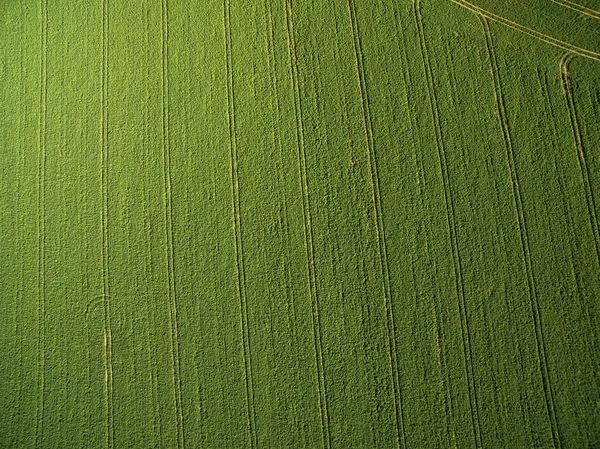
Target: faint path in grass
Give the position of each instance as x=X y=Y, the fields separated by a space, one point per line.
x=41 y=237
x=525 y=247
x=380 y=229
x=451 y=221
x=105 y=302
x=237 y=228
x=278 y=142
x=423 y=195
x=568 y=214
x=585 y=178
x=579 y=148
x=169 y=245
x=110 y=432
x=308 y=231
x=529 y=31
x=150 y=301
x=579 y=8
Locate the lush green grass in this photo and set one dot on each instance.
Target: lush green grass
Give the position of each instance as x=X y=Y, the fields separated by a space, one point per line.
x=299 y=223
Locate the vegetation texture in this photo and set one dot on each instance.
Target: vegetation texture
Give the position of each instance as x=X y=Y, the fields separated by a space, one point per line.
x=300 y=224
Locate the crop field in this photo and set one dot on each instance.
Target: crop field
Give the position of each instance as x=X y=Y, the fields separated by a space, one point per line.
x=300 y=224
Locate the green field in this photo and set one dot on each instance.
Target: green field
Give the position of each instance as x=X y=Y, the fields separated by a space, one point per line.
x=300 y=224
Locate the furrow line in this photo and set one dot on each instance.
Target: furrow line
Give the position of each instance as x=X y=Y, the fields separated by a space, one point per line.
x=41 y=237
x=406 y=76
x=590 y=321
x=569 y=215
x=109 y=369
x=579 y=148
x=277 y=142
x=169 y=240
x=237 y=224
x=380 y=229
x=105 y=301
x=149 y=293
x=90 y=416
x=529 y=31
x=525 y=248
x=105 y=233
x=583 y=170
x=308 y=232
x=451 y=222
x=579 y=8
x=22 y=216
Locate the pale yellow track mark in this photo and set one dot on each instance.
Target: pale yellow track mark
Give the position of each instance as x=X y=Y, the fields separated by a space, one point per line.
x=529 y=31
x=579 y=8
